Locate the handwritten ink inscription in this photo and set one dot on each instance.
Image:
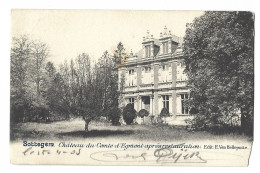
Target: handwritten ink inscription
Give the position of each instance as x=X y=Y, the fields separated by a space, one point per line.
x=164 y=155
x=30 y=151
x=156 y=156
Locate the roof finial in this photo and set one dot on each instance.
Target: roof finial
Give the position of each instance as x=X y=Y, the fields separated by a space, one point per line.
x=170 y=32
x=161 y=35
x=165 y=30
x=147 y=34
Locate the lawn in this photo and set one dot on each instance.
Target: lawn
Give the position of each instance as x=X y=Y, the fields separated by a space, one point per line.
x=74 y=130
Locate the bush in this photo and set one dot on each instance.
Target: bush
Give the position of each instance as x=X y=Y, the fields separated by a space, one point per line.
x=143 y=113
x=164 y=113
x=194 y=111
x=129 y=113
x=114 y=116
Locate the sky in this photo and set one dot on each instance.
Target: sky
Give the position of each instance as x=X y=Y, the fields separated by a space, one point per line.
x=71 y=32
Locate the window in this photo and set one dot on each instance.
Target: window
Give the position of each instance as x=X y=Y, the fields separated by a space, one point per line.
x=166 y=102
x=147 y=75
x=147 y=51
x=132 y=101
x=184 y=104
x=147 y=69
x=131 y=72
x=165 y=73
x=164 y=67
x=165 y=47
x=131 y=77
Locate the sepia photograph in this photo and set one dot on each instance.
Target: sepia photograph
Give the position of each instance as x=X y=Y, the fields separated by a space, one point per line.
x=132 y=87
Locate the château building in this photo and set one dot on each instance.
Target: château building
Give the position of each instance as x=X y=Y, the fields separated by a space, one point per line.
x=155 y=78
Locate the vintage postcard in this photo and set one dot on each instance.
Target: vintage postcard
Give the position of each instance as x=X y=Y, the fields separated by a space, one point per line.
x=128 y=87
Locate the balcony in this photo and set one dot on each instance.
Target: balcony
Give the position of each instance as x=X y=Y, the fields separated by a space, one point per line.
x=130 y=88
x=146 y=86
x=165 y=85
x=182 y=83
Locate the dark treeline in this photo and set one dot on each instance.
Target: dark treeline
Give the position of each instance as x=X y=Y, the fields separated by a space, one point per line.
x=219 y=59
x=41 y=92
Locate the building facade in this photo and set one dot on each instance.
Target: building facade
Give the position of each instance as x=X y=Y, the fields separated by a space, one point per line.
x=155 y=78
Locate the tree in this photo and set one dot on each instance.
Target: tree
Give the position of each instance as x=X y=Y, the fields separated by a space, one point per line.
x=39 y=54
x=129 y=114
x=120 y=55
x=119 y=58
x=55 y=97
x=164 y=113
x=28 y=78
x=108 y=77
x=114 y=115
x=143 y=113
x=91 y=91
x=20 y=58
x=219 y=59
x=88 y=96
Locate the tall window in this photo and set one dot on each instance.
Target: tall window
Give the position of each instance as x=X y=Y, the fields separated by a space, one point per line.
x=147 y=69
x=165 y=73
x=131 y=71
x=147 y=51
x=146 y=75
x=166 y=102
x=131 y=77
x=165 y=47
x=184 y=104
x=163 y=67
x=132 y=101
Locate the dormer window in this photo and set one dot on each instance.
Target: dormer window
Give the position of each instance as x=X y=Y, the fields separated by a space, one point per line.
x=164 y=67
x=147 y=51
x=147 y=69
x=131 y=72
x=165 y=47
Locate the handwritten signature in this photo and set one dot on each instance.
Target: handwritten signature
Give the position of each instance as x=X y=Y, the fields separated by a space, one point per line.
x=30 y=151
x=163 y=155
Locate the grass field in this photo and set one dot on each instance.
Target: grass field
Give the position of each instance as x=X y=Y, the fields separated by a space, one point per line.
x=74 y=130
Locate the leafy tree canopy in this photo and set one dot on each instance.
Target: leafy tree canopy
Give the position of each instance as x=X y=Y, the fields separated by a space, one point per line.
x=219 y=59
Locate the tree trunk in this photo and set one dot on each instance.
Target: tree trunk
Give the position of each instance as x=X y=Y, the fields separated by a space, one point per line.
x=247 y=122
x=86 y=125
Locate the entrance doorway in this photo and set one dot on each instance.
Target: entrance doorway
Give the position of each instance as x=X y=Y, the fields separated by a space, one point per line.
x=146 y=103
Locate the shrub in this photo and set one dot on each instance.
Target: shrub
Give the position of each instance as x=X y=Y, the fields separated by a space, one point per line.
x=114 y=116
x=143 y=113
x=164 y=113
x=129 y=113
x=152 y=119
x=194 y=111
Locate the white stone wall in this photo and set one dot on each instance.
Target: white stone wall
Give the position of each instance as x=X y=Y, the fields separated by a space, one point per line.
x=160 y=104
x=181 y=76
x=131 y=79
x=147 y=76
x=170 y=104
x=178 y=106
x=165 y=75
